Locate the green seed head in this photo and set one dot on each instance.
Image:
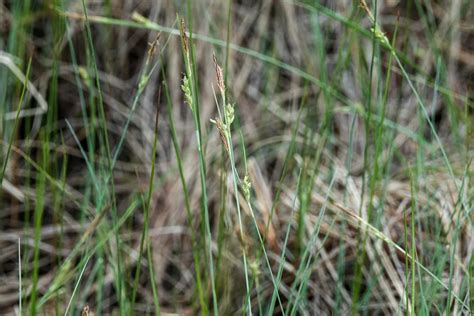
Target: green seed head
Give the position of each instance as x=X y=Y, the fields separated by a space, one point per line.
x=186 y=87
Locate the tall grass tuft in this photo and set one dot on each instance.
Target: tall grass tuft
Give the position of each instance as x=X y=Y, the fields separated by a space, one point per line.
x=236 y=157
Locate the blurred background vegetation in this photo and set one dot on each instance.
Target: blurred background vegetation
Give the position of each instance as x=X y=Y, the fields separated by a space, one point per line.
x=327 y=172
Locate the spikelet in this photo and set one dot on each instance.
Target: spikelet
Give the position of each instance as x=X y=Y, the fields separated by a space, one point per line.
x=246 y=186
x=229 y=114
x=219 y=75
x=379 y=35
x=86 y=311
x=184 y=38
x=223 y=132
x=152 y=48
x=365 y=7
x=186 y=87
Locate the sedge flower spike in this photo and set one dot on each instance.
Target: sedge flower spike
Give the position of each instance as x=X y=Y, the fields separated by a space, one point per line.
x=186 y=87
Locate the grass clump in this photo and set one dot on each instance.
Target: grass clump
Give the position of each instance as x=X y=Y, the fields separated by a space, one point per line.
x=318 y=163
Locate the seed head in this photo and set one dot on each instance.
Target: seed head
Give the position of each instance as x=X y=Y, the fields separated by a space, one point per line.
x=246 y=185
x=184 y=37
x=86 y=311
x=229 y=114
x=219 y=75
x=221 y=128
x=152 y=48
x=186 y=87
